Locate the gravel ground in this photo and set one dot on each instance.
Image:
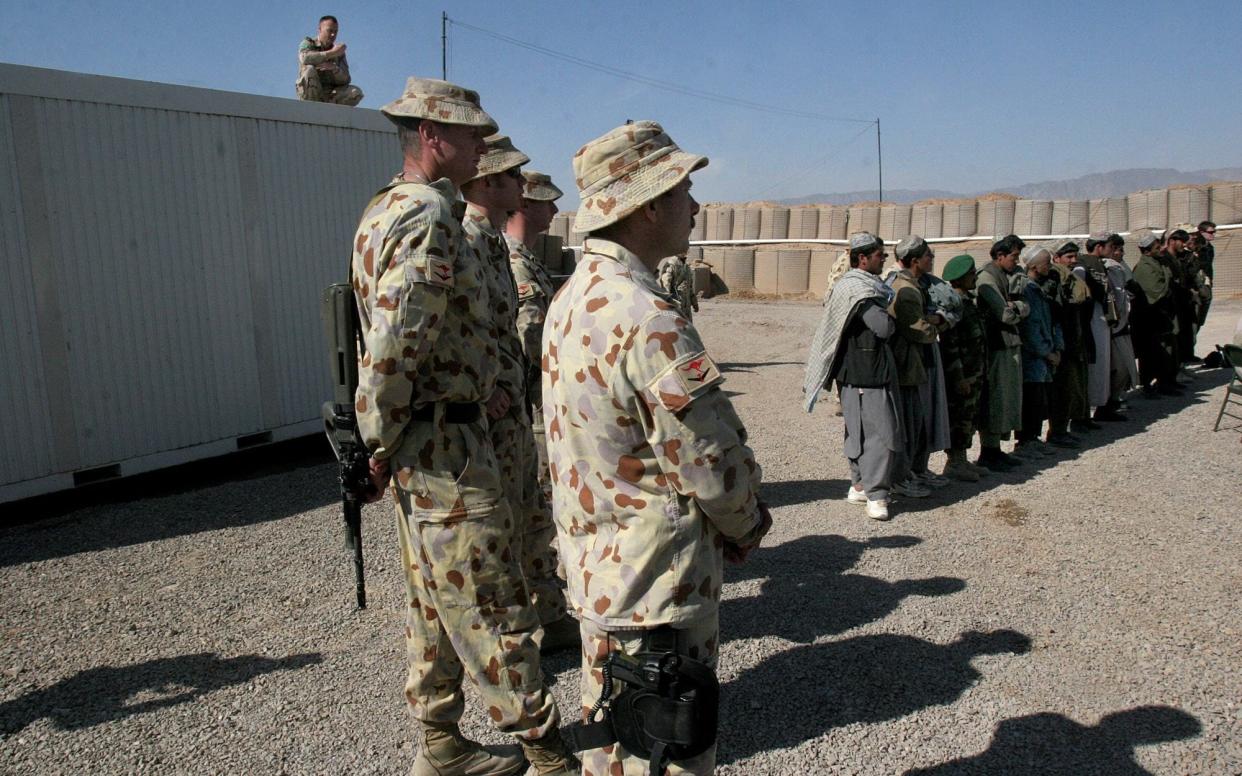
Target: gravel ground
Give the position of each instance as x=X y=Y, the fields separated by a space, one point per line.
x=1082 y=618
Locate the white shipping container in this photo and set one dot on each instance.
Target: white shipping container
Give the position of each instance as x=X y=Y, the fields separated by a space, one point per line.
x=164 y=256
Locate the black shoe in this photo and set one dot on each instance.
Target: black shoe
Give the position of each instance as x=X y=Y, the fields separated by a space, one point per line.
x=1193 y=360
x=1064 y=441
x=997 y=461
x=1171 y=390
x=1109 y=415
x=1150 y=392
x=1084 y=425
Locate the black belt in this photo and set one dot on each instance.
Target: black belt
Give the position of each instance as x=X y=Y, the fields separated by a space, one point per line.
x=454 y=412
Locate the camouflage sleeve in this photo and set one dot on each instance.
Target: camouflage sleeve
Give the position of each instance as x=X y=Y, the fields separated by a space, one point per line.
x=309 y=55
x=951 y=355
x=411 y=294
x=531 y=313
x=698 y=439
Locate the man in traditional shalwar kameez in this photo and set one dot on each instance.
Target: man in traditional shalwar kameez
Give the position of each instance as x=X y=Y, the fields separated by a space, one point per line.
x=851 y=347
x=1002 y=310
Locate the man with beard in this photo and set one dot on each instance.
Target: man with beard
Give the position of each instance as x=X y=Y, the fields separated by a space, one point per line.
x=851 y=347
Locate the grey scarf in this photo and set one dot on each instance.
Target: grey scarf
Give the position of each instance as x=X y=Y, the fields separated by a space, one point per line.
x=854 y=286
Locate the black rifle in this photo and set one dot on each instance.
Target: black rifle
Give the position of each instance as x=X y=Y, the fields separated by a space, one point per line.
x=340 y=320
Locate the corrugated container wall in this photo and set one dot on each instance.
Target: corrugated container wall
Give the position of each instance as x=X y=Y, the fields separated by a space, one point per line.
x=165 y=252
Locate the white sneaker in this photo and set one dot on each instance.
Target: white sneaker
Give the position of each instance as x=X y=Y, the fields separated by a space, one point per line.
x=930 y=480
x=910 y=489
x=856 y=496
x=877 y=510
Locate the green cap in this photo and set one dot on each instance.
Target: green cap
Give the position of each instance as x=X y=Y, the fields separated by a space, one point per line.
x=957 y=267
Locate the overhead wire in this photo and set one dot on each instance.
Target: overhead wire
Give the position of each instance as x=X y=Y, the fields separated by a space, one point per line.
x=656 y=83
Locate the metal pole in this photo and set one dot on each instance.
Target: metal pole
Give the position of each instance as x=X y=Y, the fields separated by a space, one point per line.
x=879 y=155
x=444 y=45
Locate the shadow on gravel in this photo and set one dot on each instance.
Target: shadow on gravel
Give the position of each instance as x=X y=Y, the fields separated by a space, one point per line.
x=1046 y=744
x=806 y=576
x=783 y=494
x=203 y=496
x=800 y=694
x=108 y=693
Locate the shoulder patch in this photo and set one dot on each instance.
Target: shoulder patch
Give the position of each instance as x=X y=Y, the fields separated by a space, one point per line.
x=685 y=381
x=439 y=272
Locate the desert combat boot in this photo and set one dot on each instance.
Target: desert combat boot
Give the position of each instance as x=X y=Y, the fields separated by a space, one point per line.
x=446 y=752
x=549 y=756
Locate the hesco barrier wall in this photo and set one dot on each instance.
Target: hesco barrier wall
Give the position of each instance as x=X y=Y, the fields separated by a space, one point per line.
x=165 y=249
x=975 y=222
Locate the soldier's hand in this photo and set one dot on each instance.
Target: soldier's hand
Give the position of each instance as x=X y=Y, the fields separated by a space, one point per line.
x=498 y=404
x=378 y=473
x=963 y=387
x=1054 y=358
x=737 y=553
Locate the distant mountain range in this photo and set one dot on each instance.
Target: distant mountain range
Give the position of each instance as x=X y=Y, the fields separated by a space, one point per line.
x=1104 y=184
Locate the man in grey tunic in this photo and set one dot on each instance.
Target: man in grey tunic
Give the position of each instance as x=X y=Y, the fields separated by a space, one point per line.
x=1001 y=311
x=851 y=347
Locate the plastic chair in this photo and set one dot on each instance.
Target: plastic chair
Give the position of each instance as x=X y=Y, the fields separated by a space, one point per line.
x=1232 y=357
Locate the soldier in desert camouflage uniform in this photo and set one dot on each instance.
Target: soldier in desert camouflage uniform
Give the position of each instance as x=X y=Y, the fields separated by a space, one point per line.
x=323 y=71
x=653 y=484
x=493 y=193
x=534 y=291
x=678 y=281
x=431 y=363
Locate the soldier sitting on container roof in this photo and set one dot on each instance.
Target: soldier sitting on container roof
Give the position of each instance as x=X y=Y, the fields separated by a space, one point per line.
x=323 y=72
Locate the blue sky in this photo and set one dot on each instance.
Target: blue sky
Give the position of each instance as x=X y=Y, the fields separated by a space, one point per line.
x=971 y=95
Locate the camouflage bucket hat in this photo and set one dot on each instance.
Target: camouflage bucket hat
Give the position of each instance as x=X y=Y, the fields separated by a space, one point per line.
x=500 y=156
x=427 y=98
x=626 y=168
x=540 y=187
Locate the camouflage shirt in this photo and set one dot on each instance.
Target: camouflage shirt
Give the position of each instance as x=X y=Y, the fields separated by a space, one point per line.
x=649 y=463
x=534 y=292
x=963 y=348
x=332 y=72
x=424 y=309
x=489 y=246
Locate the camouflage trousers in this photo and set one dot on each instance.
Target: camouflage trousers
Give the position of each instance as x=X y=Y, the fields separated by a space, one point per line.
x=467 y=609
x=698 y=639
x=310 y=87
x=963 y=416
x=514 y=443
